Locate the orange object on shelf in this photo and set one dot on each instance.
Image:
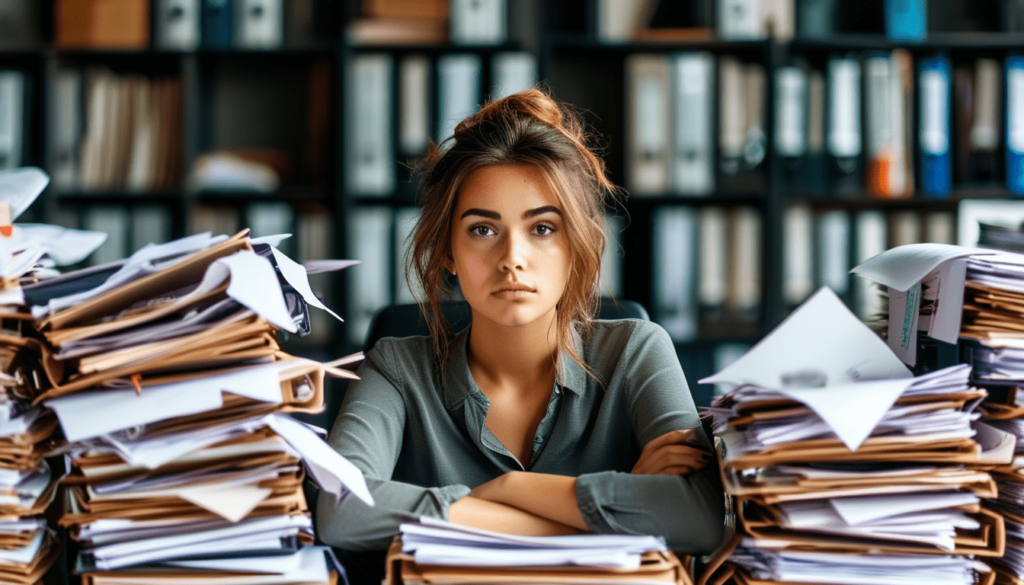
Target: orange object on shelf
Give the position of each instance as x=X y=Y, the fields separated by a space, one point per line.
x=101 y=24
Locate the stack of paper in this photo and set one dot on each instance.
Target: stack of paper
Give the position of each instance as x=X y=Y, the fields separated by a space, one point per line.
x=172 y=394
x=28 y=253
x=979 y=302
x=833 y=449
x=434 y=551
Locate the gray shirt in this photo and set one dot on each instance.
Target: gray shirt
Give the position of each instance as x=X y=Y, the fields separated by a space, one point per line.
x=423 y=444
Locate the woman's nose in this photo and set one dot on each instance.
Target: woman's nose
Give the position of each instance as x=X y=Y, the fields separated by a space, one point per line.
x=514 y=253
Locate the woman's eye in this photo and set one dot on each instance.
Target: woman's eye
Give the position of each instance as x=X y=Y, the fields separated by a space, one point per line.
x=544 y=230
x=480 y=230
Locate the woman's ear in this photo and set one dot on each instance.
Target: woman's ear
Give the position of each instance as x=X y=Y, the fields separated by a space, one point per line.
x=449 y=264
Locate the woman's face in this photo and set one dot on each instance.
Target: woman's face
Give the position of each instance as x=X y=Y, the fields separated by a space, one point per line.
x=509 y=248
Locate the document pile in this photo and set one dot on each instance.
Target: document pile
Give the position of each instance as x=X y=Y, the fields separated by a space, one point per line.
x=838 y=457
x=434 y=551
x=981 y=293
x=28 y=253
x=173 y=397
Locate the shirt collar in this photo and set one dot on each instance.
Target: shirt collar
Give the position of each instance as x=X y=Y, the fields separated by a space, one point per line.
x=459 y=383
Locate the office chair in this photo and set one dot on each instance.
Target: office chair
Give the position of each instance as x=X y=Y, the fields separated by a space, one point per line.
x=406 y=320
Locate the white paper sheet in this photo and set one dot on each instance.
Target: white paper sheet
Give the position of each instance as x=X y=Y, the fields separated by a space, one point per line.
x=296 y=276
x=903 y=267
x=231 y=502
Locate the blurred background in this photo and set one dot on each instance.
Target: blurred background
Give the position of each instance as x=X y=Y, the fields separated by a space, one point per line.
x=767 y=146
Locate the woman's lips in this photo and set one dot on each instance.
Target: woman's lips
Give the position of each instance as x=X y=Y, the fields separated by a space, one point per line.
x=514 y=291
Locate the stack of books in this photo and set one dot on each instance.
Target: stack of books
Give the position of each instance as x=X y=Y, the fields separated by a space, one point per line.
x=173 y=398
x=847 y=468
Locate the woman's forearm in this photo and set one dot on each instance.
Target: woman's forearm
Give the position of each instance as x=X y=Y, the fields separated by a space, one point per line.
x=479 y=513
x=541 y=494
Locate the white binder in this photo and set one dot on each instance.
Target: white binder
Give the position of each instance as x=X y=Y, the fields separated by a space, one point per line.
x=370 y=154
x=834 y=250
x=66 y=132
x=405 y=221
x=744 y=296
x=511 y=73
x=798 y=254
x=478 y=22
x=459 y=87
x=177 y=25
x=414 y=104
x=790 y=112
x=693 y=142
x=12 y=114
x=611 y=260
x=648 y=136
x=259 y=24
x=675 y=306
x=369 y=283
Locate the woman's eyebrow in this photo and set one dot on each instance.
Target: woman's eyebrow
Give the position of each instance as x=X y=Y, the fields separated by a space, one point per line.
x=480 y=212
x=542 y=210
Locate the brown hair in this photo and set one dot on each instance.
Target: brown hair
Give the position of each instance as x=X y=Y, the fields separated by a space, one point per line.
x=524 y=128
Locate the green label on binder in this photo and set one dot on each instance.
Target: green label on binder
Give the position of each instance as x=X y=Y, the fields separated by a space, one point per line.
x=908 y=316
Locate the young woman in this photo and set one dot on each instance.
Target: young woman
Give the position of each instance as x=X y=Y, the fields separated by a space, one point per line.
x=536 y=419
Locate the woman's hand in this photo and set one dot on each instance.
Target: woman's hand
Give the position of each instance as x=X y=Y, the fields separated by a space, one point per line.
x=672 y=454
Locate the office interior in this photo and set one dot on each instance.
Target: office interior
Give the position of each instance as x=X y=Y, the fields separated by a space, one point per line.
x=764 y=148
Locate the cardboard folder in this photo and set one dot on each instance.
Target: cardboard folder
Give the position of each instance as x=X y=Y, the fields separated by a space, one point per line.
x=655 y=567
x=763 y=522
x=33 y=572
x=188 y=271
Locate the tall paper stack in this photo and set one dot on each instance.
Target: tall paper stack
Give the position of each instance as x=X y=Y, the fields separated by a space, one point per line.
x=846 y=468
x=975 y=298
x=28 y=548
x=173 y=397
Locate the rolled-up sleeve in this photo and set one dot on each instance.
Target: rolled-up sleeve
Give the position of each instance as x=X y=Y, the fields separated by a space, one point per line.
x=369 y=432
x=687 y=510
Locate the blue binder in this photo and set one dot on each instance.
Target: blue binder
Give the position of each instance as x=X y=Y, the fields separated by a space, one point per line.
x=217 y=23
x=1015 y=124
x=933 y=126
x=906 y=20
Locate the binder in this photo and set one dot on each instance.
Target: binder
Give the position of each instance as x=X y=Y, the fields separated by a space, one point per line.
x=618 y=21
x=693 y=167
x=67 y=129
x=405 y=222
x=459 y=85
x=744 y=285
x=844 y=125
x=833 y=235
x=648 y=140
x=512 y=73
x=478 y=22
x=370 y=157
x=218 y=23
x=732 y=115
x=259 y=24
x=1015 y=124
x=798 y=259
x=933 y=126
x=888 y=97
x=12 y=115
x=270 y=218
x=739 y=19
x=940 y=227
x=414 y=104
x=814 y=171
x=113 y=221
x=906 y=20
x=674 y=268
x=791 y=114
x=905 y=228
x=177 y=24
x=872 y=233
x=712 y=261
x=151 y=224
x=369 y=233
x=611 y=259
x=983 y=160
x=817 y=18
